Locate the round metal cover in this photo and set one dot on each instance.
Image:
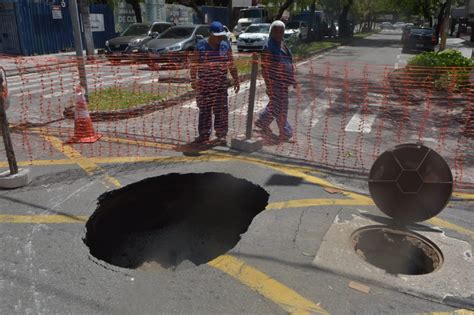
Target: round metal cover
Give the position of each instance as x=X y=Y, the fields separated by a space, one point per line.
x=410 y=183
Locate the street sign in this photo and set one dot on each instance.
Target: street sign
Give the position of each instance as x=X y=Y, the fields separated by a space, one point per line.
x=57 y=12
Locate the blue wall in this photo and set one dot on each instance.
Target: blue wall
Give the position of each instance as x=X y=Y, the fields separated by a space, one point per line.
x=109 y=25
x=39 y=33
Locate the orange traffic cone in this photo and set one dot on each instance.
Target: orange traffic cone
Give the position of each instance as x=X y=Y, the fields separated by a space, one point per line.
x=83 y=129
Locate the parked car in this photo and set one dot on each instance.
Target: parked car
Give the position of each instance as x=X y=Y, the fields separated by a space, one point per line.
x=254 y=37
x=172 y=46
x=398 y=25
x=386 y=26
x=133 y=37
x=419 y=39
x=296 y=29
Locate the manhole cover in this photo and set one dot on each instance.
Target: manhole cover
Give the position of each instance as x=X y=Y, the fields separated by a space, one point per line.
x=396 y=251
x=410 y=183
x=175 y=221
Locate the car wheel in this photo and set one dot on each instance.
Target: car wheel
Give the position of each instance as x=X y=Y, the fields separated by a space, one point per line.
x=240 y=50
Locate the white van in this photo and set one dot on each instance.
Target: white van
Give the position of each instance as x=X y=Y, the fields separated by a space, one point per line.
x=249 y=16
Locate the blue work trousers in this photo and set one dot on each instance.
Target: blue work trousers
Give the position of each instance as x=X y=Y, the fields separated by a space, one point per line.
x=277 y=109
x=213 y=101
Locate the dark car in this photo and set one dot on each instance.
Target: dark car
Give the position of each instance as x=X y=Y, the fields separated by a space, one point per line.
x=172 y=46
x=419 y=39
x=133 y=37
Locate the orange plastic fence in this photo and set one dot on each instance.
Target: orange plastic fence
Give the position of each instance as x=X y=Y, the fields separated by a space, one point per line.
x=342 y=115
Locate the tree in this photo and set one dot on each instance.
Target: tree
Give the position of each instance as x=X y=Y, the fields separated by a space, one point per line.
x=136 y=8
x=194 y=4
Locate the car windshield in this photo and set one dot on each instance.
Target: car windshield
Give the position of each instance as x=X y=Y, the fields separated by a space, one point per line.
x=136 y=30
x=178 y=32
x=421 y=31
x=293 y=25
x=160 y=28
x=250 y=13
x=258 y=29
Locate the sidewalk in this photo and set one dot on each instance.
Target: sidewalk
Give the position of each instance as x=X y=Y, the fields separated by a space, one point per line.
x=462 y=44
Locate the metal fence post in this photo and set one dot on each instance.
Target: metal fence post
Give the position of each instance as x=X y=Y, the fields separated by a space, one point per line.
x=5 y=128
x=252 y=92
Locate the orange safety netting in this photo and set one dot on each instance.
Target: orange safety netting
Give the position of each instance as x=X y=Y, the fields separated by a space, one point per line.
x=342 y=115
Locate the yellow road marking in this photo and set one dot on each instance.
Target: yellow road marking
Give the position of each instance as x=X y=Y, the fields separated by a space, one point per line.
x=463 y=195
x=286 y=298
x=85 y=163
x=456 y=312
x=316 y=202
x=141 y=143
x=120 y=159
x=451 y=226
x=42 y=219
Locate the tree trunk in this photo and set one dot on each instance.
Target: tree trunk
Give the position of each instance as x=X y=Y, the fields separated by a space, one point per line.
x=425 y=8
x=86 y=23
x=136 y=8
x=192 y=4
x=440 y=19
x=282 y=9
x=344 y=27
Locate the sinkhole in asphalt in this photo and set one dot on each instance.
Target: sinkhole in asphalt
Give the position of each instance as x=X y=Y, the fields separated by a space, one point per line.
x=397 y=251
x=174 y=221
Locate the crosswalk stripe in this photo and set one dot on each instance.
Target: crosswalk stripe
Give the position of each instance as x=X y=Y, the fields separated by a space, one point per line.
x=360 y=124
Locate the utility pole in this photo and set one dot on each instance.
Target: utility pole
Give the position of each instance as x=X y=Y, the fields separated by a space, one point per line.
x=86 y=24
x=78 y=45
x=445 y=26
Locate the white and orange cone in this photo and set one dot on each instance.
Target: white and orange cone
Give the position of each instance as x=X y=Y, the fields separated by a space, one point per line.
x=83 y=129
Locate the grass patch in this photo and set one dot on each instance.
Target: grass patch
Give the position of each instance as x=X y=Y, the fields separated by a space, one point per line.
x=113 y=98
x=243 y=64
x=304 y=50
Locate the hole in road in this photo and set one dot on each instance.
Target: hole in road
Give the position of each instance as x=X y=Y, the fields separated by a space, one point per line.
x=397 y=252
x=174 y=221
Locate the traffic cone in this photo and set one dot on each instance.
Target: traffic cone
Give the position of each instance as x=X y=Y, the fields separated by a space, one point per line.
x=83 y=129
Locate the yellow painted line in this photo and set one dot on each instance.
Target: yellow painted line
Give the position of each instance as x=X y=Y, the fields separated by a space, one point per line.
x=316 y=202
x=121 y=159
x=451 y=226
x=456 y=312
x=288 y=299
x=85 y=163
x=463 y=195
x=140 y=143
x=41 y=219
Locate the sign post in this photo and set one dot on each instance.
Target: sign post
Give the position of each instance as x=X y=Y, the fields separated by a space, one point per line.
x=14 y=177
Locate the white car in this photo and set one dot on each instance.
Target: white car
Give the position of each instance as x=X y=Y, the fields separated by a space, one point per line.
x=296 y=29
x=254 y=37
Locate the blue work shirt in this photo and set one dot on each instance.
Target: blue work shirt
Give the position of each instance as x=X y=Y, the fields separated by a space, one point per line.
x=213 y=64
x=280 y=63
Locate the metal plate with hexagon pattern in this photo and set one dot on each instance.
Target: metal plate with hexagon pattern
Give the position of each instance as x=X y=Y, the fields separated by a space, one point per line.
x=410 y=183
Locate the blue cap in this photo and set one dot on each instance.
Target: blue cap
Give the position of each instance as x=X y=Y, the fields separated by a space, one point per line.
x=217 y=29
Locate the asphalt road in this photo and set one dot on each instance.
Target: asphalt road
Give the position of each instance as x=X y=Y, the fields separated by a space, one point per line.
x=46 y=268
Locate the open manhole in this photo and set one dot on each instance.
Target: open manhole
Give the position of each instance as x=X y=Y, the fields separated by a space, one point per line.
x=397 y=251
x=174 y=221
